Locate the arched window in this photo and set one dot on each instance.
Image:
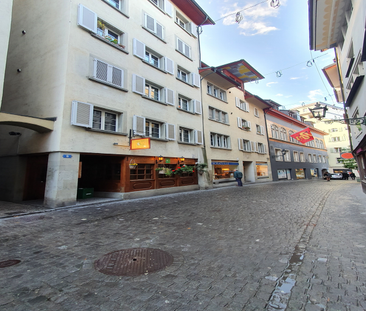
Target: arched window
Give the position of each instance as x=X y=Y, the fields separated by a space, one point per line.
x=283 y=134
x=274 y=130
x=317 y=143
x=321 y=144
x=293 y=140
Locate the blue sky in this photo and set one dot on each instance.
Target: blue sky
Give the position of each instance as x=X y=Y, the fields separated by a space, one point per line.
x=270 y=40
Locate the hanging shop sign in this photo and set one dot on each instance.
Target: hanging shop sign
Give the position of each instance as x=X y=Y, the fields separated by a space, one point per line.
x=140 y=143
x=303 y=136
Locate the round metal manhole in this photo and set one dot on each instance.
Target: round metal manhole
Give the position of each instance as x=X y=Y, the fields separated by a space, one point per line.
x=133 y=261
x=9 y=263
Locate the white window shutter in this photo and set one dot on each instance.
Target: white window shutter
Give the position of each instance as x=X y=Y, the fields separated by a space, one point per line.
x=194 y=30
x=100 y=70
x=196 y=81
x=262 y=129
x=187 y=50
x=240 y=144
x=82 y=114
x=138 y=84
x=248 y=124
x=253 y=146
x=169 y=96
x=170 y=131
x=159 y=30
x=198 y=137
x=168 y=8
x=138 y=125
x=169 y=65
x=246 y=107
x=117 y=76
x=180 y=45
x=237 y=102
x=149 y=23
x=87 y=18
x=240 y=123
x=197 y=107
x=138 y=48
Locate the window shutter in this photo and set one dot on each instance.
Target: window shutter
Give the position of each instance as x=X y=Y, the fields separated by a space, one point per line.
x=264 y=148
x=138 y=84
x=187 y=50
x=248 y=124
x=168 y=8
x=262 y=129
x=198 y=136
x=82 y=114
x=117 y=76
x=100 y=70
x=246 y=107
x=169 y=65
x=194 y=29
x=240 y=144
x=169 y=96
x=196 y=81
x=138 y=125
x=159 y=31
x=138 y=48
x=180 y=45
x=240 y=123
x=87 y=18
x=237 y=102
x=254 y=146
x=170 y=131
x=197 y=107
x=150 y=23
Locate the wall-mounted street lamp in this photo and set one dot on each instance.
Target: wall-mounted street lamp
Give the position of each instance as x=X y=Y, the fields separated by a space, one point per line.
x=160 y=159
x=181 y=160
x=319 y=111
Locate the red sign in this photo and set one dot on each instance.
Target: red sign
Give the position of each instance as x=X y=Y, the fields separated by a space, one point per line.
x=303 y=136
x=346 y=155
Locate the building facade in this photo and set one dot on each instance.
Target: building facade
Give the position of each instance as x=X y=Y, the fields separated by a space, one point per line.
x=346 y=19
x=103 y=72
x=291 y=159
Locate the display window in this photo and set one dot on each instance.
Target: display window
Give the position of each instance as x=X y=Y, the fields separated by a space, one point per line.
x=300 y=173
x=262 y=169
x=224 y=170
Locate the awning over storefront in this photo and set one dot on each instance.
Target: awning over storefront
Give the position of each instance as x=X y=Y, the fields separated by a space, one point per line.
x=36 y=124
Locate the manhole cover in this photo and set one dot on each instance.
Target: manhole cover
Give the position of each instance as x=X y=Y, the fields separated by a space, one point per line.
x=9 y=263
x=133 y=261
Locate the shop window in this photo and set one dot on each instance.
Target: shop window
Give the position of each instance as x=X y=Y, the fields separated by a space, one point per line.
x=262 y=169
x=142 y=171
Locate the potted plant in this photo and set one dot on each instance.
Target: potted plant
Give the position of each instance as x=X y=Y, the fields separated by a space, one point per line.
x=168 y=172
x=201 y=167
x=132 y=164
x=183 y=169
x=160 y=170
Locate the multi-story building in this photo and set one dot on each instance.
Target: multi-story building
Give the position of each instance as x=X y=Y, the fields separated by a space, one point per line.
x=341 y=25
x=337 y=140
x=90 y=75
x=291 y=159
x=234 y=124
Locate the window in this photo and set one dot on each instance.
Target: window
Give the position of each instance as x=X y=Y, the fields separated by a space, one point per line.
x=333 y=130
x=324 y=159
x=319 y=159
x=182 y=22
x=302 y=157
x=293 y=140
x=259 y=129
x=183 y=48
x=287 y=156
x=243 y=124
x=283 y=134
x=314 y=158
x=86 y=115
x=190 y=136
x=190 y=105
x=274 y=131
x=108 y=74
x=243 y=105
x=218 y=115
x=151 y=90
x=278 y=155
x=151 y=57
x=114 y=3
x=261 y=148
x=188 y=77
x=142 y=171
x=296 y=156
x=256 y=112
x=335 y=139
x=310 y=158
x=151 y=128
x=154 y=27
x=247 y=146
x=183 y=75
x=216 y=92
x=336 y=150
x=220 y=141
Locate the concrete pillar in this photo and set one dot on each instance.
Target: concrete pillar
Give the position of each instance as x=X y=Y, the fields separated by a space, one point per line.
x=62 y=179
x=251 y=172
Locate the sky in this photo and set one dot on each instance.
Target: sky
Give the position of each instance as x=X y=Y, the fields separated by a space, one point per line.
x=275 y=42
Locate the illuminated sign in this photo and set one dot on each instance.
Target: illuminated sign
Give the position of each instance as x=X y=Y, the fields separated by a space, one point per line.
x=140 y=143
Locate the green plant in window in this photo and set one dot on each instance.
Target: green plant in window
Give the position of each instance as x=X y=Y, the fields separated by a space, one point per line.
x=168 y=172
x=183 y=169
x=101 y=25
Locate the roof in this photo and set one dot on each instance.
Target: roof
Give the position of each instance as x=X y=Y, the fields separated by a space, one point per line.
x=192 y=9
x=331 y=73
x=326 y=18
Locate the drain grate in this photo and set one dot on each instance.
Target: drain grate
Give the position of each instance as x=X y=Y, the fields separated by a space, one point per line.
x=9 y=263
x=133 y=261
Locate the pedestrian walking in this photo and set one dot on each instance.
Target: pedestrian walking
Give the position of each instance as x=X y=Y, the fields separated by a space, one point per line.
x=352 y=175
x=238 y=176
x=327 y=176
x=344 y=176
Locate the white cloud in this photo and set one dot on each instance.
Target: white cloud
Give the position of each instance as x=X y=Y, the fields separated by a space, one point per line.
x=269 y=83
x=280 y=95
x=295 y=78
x=315 y=94
x=254 y=17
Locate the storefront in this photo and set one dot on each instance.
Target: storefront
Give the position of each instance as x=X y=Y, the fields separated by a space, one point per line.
x=314 y=172
x=224 y=170
x=284 y=174
x=262 y=169
x=300 y=173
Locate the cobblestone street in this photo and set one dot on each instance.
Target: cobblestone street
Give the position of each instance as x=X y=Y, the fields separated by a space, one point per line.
x=296 y=245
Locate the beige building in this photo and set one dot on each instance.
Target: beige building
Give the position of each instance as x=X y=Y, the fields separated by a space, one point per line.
x=234 y=126
x=337 y=139
x=84 y=79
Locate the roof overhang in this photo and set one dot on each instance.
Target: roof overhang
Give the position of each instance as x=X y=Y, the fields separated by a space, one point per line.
x=194 y=12
x=326 y=18
x=218 y=78
x=256 y=100
x=242 y=70
x=332 y=75
x=36 y=124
